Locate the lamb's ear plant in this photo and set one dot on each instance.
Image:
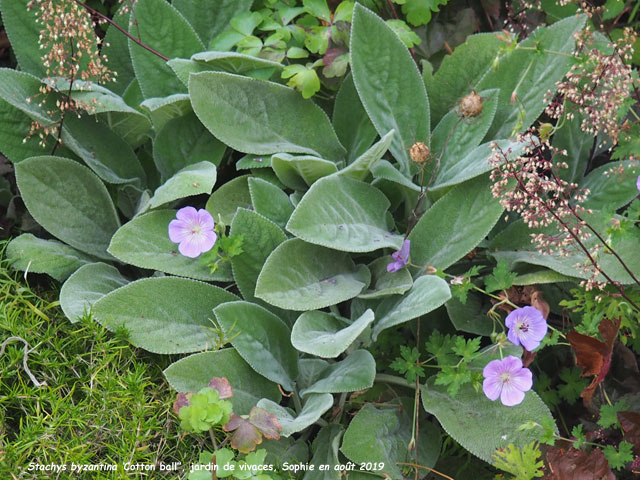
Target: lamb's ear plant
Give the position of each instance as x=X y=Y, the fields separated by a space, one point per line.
x=337 y=232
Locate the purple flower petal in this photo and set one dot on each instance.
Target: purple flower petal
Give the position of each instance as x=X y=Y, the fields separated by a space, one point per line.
x=401 y=257
x=205 y=219
x=193 y=231
x=506 y=379
x=492 y=388
x=394 y=266
x=638 y=183
x=527 y=327
x=188 y=214
x=178 y=230
x=510 y=395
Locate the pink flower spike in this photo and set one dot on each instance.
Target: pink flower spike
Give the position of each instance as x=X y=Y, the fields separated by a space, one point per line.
x=506 y=379
x=193 y=231
x=527 y=327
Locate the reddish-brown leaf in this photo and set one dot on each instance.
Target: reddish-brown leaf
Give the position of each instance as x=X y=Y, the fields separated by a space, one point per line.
x=223 y=387
x=630 y=423
x=246 y=437
x=593 y=356
x=249 y=431
x=266 y=422
x=538 y=302
x=575 y=464
x=182 y=400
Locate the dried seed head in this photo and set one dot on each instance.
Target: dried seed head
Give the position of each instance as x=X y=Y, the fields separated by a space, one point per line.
x=471 y=105
x=419 y=152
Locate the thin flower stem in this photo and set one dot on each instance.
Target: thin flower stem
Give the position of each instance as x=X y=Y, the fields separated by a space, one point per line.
x=524 y=189
x=415 y=465
x=118 y=27
x=544 y=50
x=597 y=234
x=393 y=380
x=64 y=111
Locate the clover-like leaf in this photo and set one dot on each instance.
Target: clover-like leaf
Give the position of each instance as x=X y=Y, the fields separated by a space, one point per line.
x=249 y=431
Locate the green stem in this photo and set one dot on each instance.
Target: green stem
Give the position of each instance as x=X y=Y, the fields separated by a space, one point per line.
x=393 y=380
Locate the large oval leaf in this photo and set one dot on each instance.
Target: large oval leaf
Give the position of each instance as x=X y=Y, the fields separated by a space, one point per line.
x=210 y=18
x=428 y=293
x=300 y=171
x=144 y=242
x=69 y=201
x=350 y=119
x=382 y=435
x=260 y=238
x=302 y=276
x=480 y=425
x=165 y=30
x=86 y=286
x=183 y=141
x=344 y=214
x=192 y=180
x=454 y=136
x=262 y=339
x=254 y=116
x=389 y=84
x=530 y=72
x=104 y=152
x=455 y=224
x=32 y=254
x=269 y=200
x=356 y=372
x=324 y=335
x=192 y=373
x=165 y=314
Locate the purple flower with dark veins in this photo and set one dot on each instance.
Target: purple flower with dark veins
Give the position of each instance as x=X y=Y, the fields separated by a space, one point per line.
x=527 y=327
x=401 y=257
x=193 y=231
x=506 y=379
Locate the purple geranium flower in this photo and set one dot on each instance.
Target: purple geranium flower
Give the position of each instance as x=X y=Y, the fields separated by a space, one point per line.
x=401 y=257
x=507 y=379
x=527 y=327
x=193 y=230
x=638 y=183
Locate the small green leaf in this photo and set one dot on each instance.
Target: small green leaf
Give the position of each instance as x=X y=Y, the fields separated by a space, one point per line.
x=619 y=457
x=500 y=279
x=303 y=79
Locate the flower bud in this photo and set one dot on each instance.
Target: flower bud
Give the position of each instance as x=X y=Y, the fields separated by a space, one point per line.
x=419 y=152
x=471 y=105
